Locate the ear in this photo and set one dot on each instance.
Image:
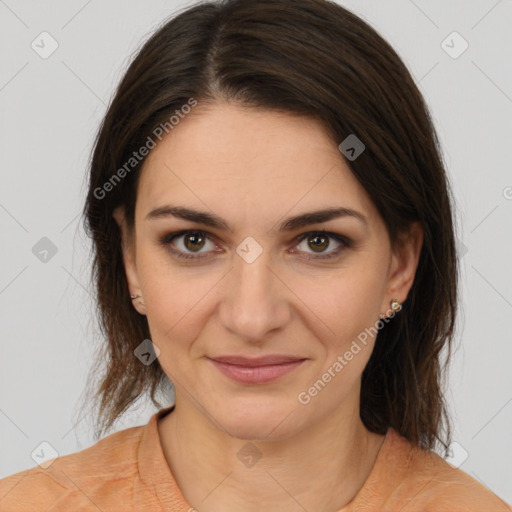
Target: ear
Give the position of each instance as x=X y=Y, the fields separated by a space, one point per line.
x=130 y=266
x=403 y=266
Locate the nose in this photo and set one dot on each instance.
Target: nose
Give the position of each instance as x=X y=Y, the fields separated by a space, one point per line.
x=255 y=301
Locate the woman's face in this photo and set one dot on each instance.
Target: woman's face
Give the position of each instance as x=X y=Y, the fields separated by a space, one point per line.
x=260 y=282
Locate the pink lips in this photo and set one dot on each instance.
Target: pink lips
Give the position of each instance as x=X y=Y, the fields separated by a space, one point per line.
x=256 y=370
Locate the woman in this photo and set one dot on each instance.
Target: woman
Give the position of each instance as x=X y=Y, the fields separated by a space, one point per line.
x=273 y=235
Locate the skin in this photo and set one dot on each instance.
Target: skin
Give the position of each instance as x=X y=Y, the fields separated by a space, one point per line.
x=221 y=159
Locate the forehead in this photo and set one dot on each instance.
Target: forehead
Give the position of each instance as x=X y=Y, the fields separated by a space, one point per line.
x=223 y=156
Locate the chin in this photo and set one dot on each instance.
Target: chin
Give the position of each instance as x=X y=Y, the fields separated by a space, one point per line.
x=257 y=420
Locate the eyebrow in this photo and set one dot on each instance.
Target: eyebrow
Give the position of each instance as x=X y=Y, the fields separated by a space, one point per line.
x=290 y=224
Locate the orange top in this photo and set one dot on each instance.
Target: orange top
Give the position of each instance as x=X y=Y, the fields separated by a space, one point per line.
x=127 y=471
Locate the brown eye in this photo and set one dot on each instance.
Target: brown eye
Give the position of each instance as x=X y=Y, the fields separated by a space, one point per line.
x=187 y=244
x=320 y=242
x=193 y=241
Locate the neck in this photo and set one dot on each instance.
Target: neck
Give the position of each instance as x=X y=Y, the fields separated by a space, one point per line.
x=321 y=467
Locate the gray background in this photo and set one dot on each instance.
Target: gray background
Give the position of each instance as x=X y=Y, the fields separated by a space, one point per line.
x=50 y=109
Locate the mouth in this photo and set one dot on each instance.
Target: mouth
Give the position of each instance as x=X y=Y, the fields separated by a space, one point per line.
x=256 y=370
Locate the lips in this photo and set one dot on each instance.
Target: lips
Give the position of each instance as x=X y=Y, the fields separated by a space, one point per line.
x=257 y=361
x=256 y=370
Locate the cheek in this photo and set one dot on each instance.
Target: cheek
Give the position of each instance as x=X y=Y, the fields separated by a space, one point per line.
x=174 y=325
x=348 y=312
x=170 y=292
x=177 y=308
x=343 y=303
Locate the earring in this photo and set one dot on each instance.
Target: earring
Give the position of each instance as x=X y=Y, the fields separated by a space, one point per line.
x=396 y=306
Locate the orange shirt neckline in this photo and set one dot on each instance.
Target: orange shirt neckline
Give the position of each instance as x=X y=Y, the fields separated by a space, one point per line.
x=155 y=471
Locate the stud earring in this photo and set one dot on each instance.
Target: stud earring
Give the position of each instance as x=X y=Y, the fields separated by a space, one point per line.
x=396 y=306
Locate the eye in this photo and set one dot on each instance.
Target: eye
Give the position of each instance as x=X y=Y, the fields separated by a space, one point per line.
x=192 y=241
x=319 y=241
x=190 y=244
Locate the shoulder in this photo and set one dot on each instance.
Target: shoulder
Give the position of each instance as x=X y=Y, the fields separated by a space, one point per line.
x=71 y=480
x=28 y=490
x=431 y=484
x=450 y=489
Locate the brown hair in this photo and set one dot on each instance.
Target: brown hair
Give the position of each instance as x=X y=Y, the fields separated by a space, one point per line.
x=306 y=57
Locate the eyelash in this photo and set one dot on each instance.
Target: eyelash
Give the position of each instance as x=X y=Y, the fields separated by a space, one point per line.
x=167 y=240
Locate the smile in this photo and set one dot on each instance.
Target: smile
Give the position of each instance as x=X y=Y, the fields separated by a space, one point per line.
x=258 y=370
